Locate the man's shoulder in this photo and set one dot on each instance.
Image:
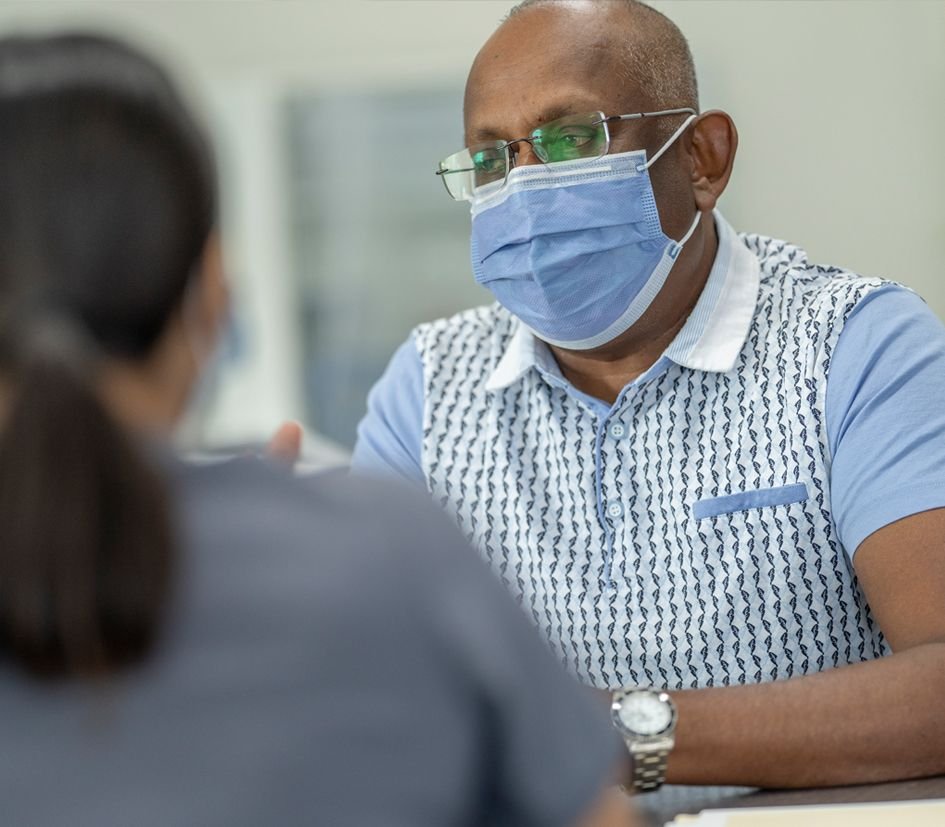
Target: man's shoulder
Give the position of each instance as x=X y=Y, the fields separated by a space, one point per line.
x=486 y=329
x=786 y=271
x=484 y=319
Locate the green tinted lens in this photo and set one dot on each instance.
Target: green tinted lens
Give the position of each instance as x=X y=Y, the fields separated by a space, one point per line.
x=490 y=164
x=470 y=168
x=571 y=137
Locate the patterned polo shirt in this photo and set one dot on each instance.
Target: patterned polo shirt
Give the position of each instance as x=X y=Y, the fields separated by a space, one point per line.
x=699 y=531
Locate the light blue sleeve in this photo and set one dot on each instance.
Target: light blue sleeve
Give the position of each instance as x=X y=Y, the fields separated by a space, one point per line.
x=885 y=415
x=391 y=433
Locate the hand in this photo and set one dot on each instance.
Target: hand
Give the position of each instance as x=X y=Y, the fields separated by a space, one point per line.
x=606 y=696
x=285 y=447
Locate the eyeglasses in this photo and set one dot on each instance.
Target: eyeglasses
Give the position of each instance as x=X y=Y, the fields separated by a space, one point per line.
x=565 y=139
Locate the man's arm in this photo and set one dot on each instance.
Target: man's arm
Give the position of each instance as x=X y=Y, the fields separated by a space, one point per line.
x=883 y=719
x=874 y=721
x=390 y=435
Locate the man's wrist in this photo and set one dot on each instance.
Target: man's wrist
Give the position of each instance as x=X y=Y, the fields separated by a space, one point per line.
x=646 y=718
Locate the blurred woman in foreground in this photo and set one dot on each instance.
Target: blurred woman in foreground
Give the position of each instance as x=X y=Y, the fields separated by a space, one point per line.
x=218 y=645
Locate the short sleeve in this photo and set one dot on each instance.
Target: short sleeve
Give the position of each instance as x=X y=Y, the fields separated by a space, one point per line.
x=552 y=748
x=885 y=415
x=391 y=432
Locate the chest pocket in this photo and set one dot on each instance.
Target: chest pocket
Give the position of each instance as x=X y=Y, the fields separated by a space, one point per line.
x=747 y=500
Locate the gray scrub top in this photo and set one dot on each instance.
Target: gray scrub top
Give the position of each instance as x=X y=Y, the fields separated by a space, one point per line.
x=335 y=655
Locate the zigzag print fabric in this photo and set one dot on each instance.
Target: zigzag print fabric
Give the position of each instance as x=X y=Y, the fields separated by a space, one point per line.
x=596 y=529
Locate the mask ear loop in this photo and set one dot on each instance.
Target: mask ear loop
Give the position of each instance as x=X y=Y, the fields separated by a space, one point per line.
x=668 y=144
x=200 y=346
x=678 y=245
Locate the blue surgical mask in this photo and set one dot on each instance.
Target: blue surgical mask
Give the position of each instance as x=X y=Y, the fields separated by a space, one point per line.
x=575 y=249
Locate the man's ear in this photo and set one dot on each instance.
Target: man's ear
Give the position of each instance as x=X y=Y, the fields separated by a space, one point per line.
x=711 y=144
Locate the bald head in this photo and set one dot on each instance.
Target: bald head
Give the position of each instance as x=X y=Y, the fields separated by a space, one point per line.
x=651 y=52
x=556 y=58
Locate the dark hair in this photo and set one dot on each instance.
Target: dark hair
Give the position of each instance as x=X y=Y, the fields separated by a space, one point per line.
x=107 y=199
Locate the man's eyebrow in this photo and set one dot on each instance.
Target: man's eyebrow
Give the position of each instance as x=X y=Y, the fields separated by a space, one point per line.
x=552 y=113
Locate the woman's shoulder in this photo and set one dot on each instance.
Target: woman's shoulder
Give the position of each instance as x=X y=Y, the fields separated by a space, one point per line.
x=345 y=531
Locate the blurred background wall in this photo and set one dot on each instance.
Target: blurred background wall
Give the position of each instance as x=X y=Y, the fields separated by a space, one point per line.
x=330 y=117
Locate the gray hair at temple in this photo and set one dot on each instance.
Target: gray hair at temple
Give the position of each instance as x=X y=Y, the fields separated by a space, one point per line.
x=656 y=57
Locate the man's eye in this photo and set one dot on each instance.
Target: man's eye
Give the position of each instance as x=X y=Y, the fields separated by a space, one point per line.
x=576 y=138
x=488 y=163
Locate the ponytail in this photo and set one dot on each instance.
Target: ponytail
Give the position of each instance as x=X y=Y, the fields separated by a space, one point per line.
x=86 y=546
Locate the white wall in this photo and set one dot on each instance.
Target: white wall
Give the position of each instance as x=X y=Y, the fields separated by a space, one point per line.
x=841 y=112
x=840 y=106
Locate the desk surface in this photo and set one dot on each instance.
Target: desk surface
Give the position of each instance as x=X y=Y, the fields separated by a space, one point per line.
x=664 y=805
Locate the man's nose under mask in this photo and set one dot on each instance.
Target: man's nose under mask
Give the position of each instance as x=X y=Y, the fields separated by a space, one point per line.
x=574 y=249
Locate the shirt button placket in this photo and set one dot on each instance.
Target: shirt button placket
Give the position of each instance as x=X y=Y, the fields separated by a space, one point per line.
x=613 y=509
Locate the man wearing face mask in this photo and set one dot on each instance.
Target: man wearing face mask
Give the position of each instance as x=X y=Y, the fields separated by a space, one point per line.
x=712 y=472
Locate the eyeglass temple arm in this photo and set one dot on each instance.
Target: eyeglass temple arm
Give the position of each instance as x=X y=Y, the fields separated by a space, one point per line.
x=637 y=115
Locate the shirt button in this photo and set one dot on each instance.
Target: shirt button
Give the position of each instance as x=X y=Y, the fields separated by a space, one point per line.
x=614 y=509
x=617 y=430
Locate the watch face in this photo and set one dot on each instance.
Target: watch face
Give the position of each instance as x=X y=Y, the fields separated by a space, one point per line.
x=643 y=713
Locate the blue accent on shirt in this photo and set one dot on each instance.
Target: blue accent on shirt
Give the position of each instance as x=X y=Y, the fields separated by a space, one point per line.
x=885 y=412
x=743 y=500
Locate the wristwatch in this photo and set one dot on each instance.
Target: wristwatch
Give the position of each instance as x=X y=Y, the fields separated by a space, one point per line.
x=646 y=718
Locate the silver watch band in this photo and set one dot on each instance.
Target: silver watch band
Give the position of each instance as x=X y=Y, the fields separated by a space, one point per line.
x=649 y=768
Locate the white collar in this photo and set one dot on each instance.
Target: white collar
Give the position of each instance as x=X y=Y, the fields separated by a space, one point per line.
x=710 y=340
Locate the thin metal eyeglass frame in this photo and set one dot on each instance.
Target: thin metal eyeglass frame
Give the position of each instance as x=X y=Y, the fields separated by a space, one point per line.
x=605 y=120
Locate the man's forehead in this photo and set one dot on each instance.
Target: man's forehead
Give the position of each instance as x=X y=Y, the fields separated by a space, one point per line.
x=509 y=112
x=544 y=38
x=544 y=64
